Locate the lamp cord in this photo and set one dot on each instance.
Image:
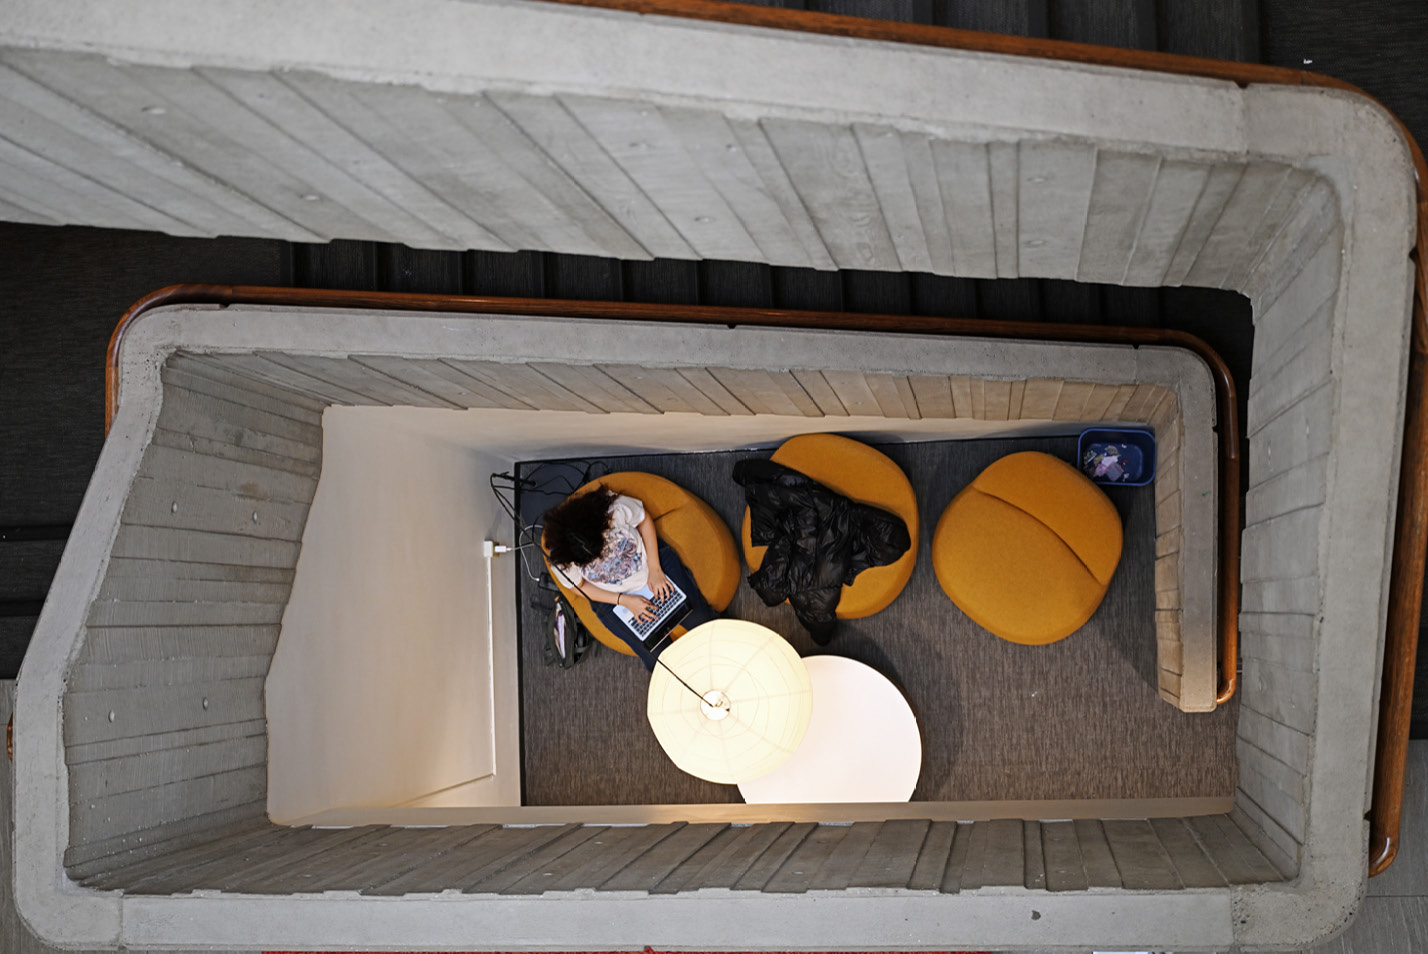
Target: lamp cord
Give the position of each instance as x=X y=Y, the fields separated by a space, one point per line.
x=676 y=675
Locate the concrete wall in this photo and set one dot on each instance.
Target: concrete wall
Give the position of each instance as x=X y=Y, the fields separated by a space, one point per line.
x=388 y=684
x=163 y=725
x=286 y=151
x=1291 y=433
x=360 y=374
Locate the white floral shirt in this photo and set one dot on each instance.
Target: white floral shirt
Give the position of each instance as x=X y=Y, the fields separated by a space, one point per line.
x=621 y=567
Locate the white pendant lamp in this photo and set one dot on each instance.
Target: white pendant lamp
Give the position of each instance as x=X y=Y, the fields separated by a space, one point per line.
x=729 y=700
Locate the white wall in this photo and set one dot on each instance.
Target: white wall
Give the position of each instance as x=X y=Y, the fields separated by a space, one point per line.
x=385 y=682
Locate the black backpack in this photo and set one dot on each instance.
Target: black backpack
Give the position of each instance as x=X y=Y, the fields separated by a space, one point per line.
x=568 y=640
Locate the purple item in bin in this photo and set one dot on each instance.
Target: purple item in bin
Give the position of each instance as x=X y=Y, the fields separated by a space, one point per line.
x=1117 y=456
x=1112 y=463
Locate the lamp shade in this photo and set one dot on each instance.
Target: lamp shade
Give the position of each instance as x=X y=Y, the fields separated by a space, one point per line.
x=729 y=700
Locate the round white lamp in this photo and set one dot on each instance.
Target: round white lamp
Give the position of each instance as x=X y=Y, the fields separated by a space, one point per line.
x=867 y=749
x=730 y=700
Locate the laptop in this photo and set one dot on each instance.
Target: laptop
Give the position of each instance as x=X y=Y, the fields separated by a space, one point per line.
x=670 y=612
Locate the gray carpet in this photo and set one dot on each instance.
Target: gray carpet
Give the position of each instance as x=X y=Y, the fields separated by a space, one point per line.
x=1080 y=718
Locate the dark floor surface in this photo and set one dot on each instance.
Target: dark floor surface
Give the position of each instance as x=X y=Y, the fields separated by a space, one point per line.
x=63 y=289
x=1080 y=718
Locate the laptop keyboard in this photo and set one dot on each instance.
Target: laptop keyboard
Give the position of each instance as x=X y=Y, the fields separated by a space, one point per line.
x=663 y=608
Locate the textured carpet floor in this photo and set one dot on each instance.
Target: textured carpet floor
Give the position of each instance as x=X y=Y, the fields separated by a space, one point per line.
x=1078 y=719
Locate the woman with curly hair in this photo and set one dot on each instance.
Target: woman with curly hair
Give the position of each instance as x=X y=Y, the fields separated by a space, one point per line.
x=604 y=545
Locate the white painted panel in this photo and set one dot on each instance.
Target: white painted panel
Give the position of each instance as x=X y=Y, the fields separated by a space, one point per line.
x=382 y=687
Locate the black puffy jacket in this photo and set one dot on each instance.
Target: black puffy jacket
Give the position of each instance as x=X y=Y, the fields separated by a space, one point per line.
x=817 y=539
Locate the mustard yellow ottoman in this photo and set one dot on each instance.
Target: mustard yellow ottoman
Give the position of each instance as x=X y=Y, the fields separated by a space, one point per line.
x=1028 y=548
x=868 y=476
x=686 y=523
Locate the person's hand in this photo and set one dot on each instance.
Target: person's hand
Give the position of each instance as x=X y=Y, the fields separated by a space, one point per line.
x=659 y=583
x=642 y=608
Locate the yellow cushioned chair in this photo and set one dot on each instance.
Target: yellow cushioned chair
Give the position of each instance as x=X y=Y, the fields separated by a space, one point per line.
x=859 y=473
x=690 y=526
x=1028 y=548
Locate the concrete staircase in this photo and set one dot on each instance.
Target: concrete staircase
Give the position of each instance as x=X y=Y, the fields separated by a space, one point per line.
x=1235 y=198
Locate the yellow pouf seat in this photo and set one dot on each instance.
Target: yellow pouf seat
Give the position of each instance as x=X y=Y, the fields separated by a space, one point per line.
x=690 y=527
x=1028 y=548
x=868 y=476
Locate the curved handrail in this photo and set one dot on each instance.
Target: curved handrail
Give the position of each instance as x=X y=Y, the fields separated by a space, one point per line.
x=1226 y=407
x=1411 y=522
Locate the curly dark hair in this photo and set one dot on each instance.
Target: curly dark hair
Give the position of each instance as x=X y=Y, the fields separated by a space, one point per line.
x=574 y=529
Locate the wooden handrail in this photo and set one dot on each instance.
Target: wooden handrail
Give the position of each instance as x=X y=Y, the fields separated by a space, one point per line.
x=1411 y=521
x=1411 y=526
x=1226 y=406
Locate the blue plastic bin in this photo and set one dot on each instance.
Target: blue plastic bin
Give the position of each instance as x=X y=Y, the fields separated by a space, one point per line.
x=1130 y=463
